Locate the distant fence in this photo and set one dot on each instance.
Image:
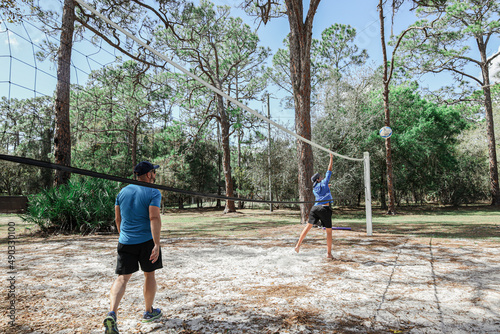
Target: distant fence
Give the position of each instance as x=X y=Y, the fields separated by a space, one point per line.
x=13 y=204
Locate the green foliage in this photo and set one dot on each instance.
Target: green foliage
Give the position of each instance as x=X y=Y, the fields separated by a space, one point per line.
x=443 y=40
x=14 y=11
x=26 y=129
x=125 y=106
x=346 y=127
x=114 y=114
x=425 y=140
x=223 y=51
x=466 y=183
x=428 y=164
x=202 y=163
x=284 y=170
x=243 y=182
x=184 y=164
x=84 y=205
x=337 y=49
x=428 y=161
x=331 y=56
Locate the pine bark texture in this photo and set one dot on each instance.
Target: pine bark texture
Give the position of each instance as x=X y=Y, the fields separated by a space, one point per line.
x=490 y=128
x=62 y=135
x=300 y=69
x=226 y=154
x=387 y=119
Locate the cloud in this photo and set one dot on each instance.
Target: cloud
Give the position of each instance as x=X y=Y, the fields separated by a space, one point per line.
x=10 y=39
x=495 y=69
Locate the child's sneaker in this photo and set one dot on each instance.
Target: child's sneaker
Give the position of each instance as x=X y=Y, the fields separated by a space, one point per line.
x=110 y=324
x=150 y=316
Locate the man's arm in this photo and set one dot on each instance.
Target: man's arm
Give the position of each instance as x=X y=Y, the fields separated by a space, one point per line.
x=118 y=217
x=327 y=176
x=154 y=217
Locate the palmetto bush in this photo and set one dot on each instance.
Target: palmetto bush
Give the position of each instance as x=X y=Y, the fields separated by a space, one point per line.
x=84 y=205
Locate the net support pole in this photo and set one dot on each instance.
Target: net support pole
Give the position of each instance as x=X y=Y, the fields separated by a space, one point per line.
x=368 y=194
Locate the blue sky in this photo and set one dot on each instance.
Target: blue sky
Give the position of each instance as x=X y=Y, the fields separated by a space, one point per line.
x=360 y=14
x=25 y=81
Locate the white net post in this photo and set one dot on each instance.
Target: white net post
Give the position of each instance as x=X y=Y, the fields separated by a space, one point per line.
x=368 y=194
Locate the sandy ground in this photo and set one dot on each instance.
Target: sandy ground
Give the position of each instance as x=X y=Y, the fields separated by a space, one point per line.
x=379 y=284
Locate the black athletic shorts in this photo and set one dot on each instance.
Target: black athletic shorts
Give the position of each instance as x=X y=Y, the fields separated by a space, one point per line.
x=321 y=213
x=130 y=256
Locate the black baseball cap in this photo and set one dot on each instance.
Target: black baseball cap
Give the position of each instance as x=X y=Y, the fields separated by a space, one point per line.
x=315 y=177
x=143 y=167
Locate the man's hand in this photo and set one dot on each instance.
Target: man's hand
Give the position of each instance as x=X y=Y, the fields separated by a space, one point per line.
x=155 y=253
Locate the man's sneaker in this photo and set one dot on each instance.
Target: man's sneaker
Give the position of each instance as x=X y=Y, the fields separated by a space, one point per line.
x=110 y=324
x=150 y=316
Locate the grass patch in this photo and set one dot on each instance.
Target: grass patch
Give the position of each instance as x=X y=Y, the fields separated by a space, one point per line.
x=22 y=228
x=479 y=222
x=214 y=223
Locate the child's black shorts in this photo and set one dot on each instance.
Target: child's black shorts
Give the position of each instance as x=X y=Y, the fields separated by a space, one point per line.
x=130 y=256
x=321 y=213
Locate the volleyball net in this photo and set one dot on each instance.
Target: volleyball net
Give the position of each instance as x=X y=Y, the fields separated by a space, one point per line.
x=173 y=69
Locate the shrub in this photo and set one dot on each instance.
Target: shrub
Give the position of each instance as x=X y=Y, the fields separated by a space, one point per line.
x=467 y=184
x=84 y=205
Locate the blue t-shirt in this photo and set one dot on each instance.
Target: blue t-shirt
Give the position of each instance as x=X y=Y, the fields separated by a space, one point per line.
x=134 y=202
x=322 y=191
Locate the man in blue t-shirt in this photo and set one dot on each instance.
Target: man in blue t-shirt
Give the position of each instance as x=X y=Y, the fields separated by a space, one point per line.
x=137 y=216
x=321 y=211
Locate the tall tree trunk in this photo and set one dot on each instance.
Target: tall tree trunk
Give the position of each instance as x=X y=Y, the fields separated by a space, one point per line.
x=62 y=136
x=300 y=70
x=241 y=204
x=226 y=154
x=490 y=128
x=239 y=134
x=387 y=119
x=46 y=174
x=383 y=204
x=17 y=139
x=269 y=166
x=219 y=165
x=134 y=145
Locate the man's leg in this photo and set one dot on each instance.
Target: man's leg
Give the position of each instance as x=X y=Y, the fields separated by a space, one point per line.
x=302 y=236
x=117 y=291
x=329 y=243
x=327 y=222
x=149 y=289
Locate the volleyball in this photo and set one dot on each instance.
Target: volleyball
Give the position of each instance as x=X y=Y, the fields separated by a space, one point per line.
x=385 y=132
